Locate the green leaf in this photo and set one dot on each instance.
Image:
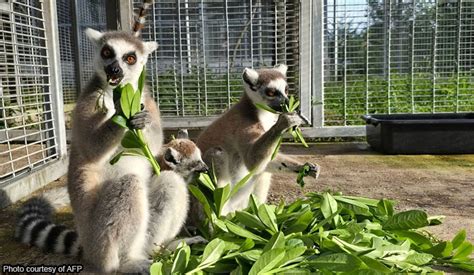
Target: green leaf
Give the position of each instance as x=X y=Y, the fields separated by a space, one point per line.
x=304 y=171
x=130 y=140
x=212 y=252
x=277 y=148
x=276 y=241
x=136 y=103
x=125 y=100
x=464 y=250
x=197 y=193
x=240 y=184
x=156 y=268
x=299 y=134
x=249 y=220
x=247 y=244
x=329 y=206
x=436 y=220
x=386 y=207
x=120 y=120
x=292 y=255
x=141 y=80
x=237 y=230
x=116 y=158
x=375 y=264
x=336 y=262
x=251 y=255
x=205 y=180
x=410 y=219
x=268 y=218
x=441 y=250
x=221 y=195
x=267 y=261
x=418 y=259
x=254 y=203
x=265 y=108
x=181 y=258
x=459 y=238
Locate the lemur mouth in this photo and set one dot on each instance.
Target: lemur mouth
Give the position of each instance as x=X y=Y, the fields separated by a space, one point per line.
x=114 y=80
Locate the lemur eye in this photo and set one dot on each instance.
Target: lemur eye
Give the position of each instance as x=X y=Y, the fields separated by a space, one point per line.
x=131 y=59
x=270 y=92
x=106 y=52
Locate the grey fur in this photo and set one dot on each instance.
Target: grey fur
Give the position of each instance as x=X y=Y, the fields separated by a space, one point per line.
x=244 y=138
x=110 y=203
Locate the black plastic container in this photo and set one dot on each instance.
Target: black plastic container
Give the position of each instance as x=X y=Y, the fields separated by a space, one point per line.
x=421 y=133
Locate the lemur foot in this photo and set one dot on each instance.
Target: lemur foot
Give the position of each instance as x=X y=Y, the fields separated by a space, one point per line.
x=140 y=120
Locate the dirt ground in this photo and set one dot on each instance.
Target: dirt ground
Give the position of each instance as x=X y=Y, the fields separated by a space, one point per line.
x=441 y=185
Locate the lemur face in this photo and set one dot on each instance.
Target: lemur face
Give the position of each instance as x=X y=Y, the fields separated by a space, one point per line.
x=120 y=56
x=184 y=157
x=267 y=86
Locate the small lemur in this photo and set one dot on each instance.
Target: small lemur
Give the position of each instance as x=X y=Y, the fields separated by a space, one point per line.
x=109 y=203
x=244 y=138
x=180 y=162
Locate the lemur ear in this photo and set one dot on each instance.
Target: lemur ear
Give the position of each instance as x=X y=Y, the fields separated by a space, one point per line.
x=282 y=68
x=93 y=35
x=171 y=156
x=150 y=46
x=250 y=76
x=183 y=133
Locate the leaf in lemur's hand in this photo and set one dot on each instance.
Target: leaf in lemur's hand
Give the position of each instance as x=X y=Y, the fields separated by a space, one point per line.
x=125 y=100
x=129 y=140
x=120 y=120
x=141 y=80
x=265 y=108
x=136 y=103
x=277 y=148
x=299 y=134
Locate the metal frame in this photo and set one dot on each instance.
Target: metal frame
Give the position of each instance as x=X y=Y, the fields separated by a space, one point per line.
x=26 y=183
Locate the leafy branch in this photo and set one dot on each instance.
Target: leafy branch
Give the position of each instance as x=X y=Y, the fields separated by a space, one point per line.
x=133 y=141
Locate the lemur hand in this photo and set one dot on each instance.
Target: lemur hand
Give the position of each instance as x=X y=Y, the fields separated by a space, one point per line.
x=140 y=120
x=288 y=120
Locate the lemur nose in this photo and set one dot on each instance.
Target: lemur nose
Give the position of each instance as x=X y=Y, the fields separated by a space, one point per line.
x=115 y=70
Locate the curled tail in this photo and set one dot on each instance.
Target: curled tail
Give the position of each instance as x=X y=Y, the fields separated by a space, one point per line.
x=140 y=18
x=35 y=227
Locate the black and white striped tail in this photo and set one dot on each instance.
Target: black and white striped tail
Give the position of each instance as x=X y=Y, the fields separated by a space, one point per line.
x=35 y=227
x=139 y=23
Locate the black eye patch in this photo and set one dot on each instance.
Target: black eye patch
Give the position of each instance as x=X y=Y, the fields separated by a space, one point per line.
x=170 y=158
x=107 y=52
x=130 y=58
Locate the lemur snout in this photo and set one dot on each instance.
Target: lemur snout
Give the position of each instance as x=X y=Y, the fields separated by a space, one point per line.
x=202 y=168
x=114 y=73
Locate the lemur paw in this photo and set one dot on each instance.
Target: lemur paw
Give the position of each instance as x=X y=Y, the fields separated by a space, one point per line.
x=140 y=120
x=288 y=120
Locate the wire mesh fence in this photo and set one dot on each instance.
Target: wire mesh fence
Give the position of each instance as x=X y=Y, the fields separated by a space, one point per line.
x=27 y=137
x=394 y=56
x=204 y=46
x=75 y=49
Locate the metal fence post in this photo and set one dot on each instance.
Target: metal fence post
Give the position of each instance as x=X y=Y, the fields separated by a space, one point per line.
x=76 y=38
x=306 y=17
x=318 y=64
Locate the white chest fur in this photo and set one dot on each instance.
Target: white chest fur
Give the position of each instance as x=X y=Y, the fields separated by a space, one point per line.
x=267 y=119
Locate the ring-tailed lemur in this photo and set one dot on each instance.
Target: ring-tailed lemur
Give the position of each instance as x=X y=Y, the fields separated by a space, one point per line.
x=109 y=203
x=244 y=138
x=180 y=162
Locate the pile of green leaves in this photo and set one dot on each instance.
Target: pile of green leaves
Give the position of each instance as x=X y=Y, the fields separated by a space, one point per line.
x=325 y=233
x=133 y=141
